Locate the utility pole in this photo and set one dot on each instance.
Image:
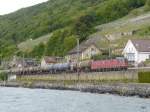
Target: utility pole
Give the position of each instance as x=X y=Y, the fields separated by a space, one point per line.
x=78 y=57
x=23 y=64
x=109 y=47
x=1 y=52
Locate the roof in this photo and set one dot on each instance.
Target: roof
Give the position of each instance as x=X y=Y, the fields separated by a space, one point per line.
x=142 y=45
x=83 y=47
x=49 y=59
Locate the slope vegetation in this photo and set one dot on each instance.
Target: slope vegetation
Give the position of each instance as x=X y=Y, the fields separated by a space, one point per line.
x=66 y=19
x=129 y=27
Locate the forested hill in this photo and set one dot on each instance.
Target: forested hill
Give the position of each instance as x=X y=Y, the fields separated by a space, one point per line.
x=66 y=19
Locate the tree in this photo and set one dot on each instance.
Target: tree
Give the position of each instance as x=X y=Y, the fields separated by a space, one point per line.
x=69 y=43
x=3 y=76
x=84 y=26
x=38 y=51
x=55 y=44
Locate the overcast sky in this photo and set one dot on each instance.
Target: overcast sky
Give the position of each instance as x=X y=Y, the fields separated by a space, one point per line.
x=8 y=6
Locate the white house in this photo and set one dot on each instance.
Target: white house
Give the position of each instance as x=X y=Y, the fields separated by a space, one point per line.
x=137 y=51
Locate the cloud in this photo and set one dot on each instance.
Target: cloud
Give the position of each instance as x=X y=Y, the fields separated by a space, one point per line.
x=8 y=6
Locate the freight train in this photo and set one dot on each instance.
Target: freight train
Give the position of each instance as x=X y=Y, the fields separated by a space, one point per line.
x=104 y=65
x=117 y=64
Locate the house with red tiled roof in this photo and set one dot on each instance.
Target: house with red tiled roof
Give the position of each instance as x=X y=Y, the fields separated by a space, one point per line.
x=50 y=60
x=137 y=51
x=47 y=61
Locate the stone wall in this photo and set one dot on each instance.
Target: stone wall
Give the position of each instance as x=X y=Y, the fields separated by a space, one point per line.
x=116 y=75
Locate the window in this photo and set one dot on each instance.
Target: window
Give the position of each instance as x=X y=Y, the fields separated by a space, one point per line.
x=93 y=52
x=92 y=49
x=131 y=56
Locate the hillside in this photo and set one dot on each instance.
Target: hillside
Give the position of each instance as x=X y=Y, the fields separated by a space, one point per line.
x=118 y=32
x=115 y=34
x=29 y=44
x=66 y=19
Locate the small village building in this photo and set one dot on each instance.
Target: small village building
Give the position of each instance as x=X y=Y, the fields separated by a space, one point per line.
x=18 y=62
x=47 y=61
x=86 y=51
x=12 y=77
x=137 y=51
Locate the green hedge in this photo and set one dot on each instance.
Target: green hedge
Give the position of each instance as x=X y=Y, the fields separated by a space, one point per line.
x=103 y=57
x=144 y=77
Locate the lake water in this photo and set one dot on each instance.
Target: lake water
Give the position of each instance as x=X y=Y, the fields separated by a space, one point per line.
x=39 y=100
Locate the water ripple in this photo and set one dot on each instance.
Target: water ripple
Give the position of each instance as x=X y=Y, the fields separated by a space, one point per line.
x=38 y=100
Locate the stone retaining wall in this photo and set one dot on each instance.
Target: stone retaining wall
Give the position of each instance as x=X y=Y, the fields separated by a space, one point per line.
x=116 y=75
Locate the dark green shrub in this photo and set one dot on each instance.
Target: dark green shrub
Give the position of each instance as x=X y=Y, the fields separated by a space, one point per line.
x=3 y=76
x=144 y=77
x=104 y=57
x=147 y=5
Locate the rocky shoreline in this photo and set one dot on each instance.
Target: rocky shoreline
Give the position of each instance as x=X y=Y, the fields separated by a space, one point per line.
x=122 y=89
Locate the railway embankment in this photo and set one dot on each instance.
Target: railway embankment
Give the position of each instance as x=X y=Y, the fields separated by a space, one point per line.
x=121 y=76
x=124 y=83
x=123 y=89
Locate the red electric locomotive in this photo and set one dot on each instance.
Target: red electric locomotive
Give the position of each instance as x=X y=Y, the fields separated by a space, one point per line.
x=109 y=65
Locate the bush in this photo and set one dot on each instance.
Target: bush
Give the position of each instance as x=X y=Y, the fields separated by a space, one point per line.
x=104 y=57
x=147 y=5
x=3 y=76
x=144 y=77
x=38 y=51
x=144 y=31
